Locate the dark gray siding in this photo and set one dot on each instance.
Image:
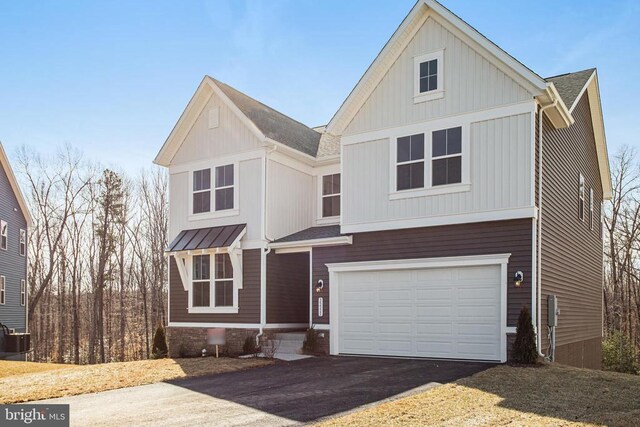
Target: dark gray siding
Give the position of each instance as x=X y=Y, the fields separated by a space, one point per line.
x=12 y=265
x=514 y=237
x=248 y=296
x=571 y=250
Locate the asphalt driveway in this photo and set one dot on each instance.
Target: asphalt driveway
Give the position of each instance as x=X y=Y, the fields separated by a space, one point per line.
x=285 y=393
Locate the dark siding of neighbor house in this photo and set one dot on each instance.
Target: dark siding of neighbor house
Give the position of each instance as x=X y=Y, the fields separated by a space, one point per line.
x=288 y=288
x=513 y=236
x=248 y=296
x=12 y=265
x=572 y=261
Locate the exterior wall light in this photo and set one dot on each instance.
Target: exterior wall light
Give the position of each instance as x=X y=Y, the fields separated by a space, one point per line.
x=319 y=286
x=518 y=278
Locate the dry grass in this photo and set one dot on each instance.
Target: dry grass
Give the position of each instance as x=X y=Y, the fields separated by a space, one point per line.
x=9 y=368
x=547 y=396
x=44 y=384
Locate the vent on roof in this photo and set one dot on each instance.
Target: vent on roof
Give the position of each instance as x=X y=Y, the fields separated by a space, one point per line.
x=214 y=118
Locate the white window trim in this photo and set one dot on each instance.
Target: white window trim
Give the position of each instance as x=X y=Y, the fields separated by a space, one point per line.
x=23 y=292
x=328 y=219
x=5 y=226
x=434 y=94
x=184 y=261
x=23 y=233
x=214 y=213
x=3 y=290
x=319 y=173
x=429 y=189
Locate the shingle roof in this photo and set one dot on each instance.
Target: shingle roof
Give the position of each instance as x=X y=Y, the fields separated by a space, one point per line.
x=274 y=124
x=313 y=233
x=570 y=85
x=206 y=238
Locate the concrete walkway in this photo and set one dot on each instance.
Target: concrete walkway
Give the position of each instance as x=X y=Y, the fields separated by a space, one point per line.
x=285 y=393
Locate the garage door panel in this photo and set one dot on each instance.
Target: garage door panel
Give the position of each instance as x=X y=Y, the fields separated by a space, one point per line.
x=439 y=312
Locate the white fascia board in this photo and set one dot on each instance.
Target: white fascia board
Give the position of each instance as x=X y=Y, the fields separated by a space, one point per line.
x=600 y=136
x=407 y=264
x=4 y=162
x=559 y=114
x=314 y=243
x=536 y=82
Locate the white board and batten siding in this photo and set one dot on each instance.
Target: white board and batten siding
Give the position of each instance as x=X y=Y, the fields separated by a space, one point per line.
x=495 y=111
x=290 y=200
x=500 y=177
x=207 y=146
x=471 y=83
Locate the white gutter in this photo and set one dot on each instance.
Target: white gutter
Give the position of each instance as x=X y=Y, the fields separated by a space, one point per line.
x=264 y=251
x=537 y=287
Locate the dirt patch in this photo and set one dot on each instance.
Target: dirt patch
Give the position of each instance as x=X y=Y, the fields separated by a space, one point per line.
x=543 y=396
x=68 y=380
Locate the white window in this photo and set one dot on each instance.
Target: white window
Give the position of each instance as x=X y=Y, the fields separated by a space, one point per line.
x=581 y=198
x=2 y=290
x=202 y=191
x=223 y=292
x=3 y=235
x=23 y=242
x=430 y=163
x=224 y=188
x=23 y=292
x=221 y=270
x=428 y=81
x=446 y=156
x=331 y=195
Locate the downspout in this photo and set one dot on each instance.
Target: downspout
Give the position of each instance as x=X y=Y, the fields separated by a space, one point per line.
x=264 y=251
x=538 y=285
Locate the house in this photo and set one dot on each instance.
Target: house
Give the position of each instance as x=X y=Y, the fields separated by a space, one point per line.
x=453 y=186
x=14 y=222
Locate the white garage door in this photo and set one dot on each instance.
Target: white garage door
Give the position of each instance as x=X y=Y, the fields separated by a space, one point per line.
x=434 y=312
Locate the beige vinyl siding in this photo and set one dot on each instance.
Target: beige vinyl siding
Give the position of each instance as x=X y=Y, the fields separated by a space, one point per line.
x=500 y=176
x=289 y=200
x=249 y=187
x=230 y=137
x=471 y=83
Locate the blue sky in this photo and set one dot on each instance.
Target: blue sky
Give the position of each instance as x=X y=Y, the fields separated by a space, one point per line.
x=112 y=77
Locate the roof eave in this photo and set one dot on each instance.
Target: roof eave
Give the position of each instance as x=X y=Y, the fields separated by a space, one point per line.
x=4 y=161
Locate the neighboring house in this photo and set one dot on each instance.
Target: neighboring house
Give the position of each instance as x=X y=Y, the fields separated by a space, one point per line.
x=399 y=228
x=14 y=222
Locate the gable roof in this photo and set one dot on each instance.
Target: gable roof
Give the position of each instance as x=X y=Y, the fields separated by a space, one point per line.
x=401 y=38
x=570 y=85
x=272 y=123
x=4 y=162
x=265 y=122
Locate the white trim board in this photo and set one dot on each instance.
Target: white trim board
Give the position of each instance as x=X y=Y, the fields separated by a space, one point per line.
x=329 y=241
x=443 y=122
x=477 y=260
x=396 y=224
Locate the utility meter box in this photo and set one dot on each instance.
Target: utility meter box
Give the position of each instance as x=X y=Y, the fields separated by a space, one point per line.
x=552 y=310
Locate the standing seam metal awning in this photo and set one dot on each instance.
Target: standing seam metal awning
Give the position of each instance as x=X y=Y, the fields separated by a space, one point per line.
x=206 y=238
